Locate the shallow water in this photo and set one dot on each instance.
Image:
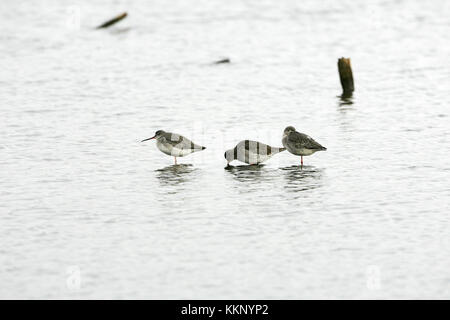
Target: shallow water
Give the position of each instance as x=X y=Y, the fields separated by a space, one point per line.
x=87 y=211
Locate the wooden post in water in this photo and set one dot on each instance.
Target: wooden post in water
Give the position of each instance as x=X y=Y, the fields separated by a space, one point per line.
x=346 y=76
x=112 y=21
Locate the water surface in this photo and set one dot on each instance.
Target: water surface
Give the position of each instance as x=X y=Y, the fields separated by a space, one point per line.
x=82 y=197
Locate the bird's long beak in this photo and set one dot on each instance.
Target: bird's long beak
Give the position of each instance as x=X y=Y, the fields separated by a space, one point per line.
x=149 y=139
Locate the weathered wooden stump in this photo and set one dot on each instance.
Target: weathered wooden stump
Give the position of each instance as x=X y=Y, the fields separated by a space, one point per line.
x=346 y=76
x=112 y=21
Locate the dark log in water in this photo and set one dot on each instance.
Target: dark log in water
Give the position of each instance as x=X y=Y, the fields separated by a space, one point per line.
x=112 y=21
x=226 y=60
x=346 y=76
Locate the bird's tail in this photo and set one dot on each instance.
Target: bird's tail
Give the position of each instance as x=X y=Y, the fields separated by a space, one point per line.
x=275 y=150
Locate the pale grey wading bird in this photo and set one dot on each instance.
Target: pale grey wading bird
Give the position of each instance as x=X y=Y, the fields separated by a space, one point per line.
x=174 y=144
x=251 y=152
x=300 y=144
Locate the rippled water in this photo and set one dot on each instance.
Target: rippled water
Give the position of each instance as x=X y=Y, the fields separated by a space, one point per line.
x=87 y=211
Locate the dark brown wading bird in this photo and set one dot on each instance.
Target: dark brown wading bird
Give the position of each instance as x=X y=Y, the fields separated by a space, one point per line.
x=300 y=144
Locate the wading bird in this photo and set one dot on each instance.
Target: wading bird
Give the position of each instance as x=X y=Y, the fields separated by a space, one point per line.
x=174 y=144
x=300 y=144
x=251 y=152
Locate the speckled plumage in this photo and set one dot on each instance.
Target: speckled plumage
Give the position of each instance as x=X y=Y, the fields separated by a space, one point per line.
x=300 y=144
x=251 y=152
x=174 y=144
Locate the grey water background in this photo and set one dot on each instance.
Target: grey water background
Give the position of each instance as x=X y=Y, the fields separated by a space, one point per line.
x=87 y=211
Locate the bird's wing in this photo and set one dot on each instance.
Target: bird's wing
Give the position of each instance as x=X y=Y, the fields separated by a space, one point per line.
x=180 y=142
x=172 y=139
x=255 y=147
x=301 y=140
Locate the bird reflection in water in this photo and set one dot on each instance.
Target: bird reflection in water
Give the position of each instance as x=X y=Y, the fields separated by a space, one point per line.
x=175 y=174
x=305 y=179
x=247 y=172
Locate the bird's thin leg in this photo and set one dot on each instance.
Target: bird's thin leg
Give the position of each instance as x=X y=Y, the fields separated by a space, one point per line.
x=175 y=160
x=301 y=161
